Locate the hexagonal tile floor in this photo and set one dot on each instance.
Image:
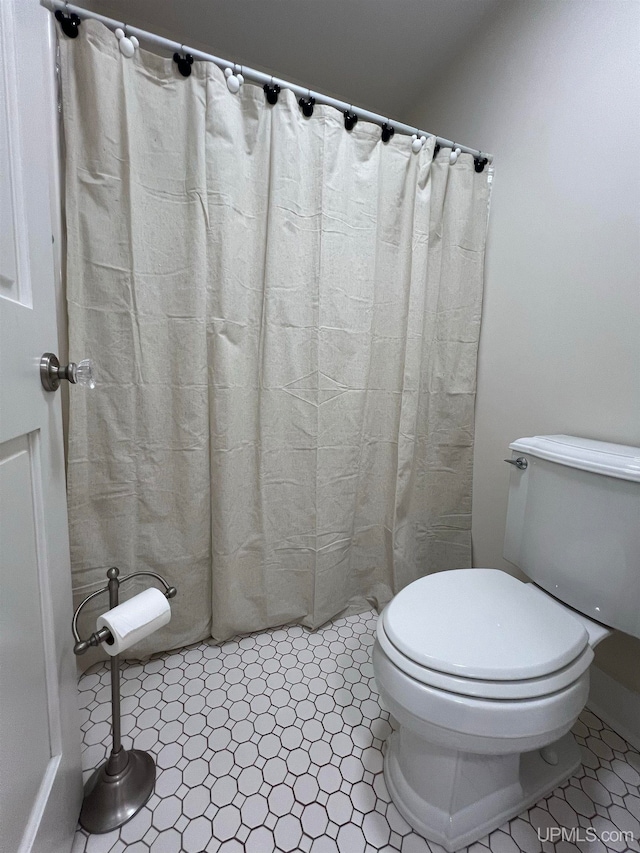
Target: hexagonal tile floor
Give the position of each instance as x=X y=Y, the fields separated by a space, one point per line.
x=273 y=742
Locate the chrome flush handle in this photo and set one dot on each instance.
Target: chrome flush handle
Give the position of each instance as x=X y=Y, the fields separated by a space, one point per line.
x=520 y=463
x=77 y=374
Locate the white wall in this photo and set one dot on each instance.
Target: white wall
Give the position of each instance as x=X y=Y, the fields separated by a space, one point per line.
x=552 y=88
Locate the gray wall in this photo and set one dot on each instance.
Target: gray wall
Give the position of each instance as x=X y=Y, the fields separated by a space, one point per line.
x=553 y=90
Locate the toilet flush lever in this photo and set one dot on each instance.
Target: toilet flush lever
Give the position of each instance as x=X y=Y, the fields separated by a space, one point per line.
x=520 y=463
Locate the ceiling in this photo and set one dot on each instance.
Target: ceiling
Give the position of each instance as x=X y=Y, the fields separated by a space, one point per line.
x=377 y=54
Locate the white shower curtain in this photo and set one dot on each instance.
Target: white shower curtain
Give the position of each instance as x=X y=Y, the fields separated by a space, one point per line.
x=284 y=318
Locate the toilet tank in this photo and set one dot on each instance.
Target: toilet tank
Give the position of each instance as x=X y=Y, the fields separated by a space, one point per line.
x=573 y=524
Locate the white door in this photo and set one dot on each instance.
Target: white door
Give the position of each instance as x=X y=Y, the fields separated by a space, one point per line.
x=40 y=776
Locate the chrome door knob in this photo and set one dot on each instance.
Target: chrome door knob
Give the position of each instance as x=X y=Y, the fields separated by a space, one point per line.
x=77 y=374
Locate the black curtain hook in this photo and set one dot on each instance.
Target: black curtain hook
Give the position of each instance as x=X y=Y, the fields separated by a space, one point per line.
x=184 y=63
x=480 y=162
x=350 y=118
x=271 y=90
x=436 y=148
x=68 y=23
x=387 y=131
x=307 y=104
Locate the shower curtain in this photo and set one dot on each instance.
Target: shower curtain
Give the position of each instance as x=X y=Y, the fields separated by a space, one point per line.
x=284 y=318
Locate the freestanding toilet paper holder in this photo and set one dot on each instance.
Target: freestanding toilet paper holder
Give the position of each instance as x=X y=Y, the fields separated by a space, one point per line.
x=119 y=788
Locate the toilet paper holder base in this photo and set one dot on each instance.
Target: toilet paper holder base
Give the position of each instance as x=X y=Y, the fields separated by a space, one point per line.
x=120 y=787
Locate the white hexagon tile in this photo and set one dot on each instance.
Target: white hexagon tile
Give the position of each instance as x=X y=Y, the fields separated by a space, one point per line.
x=273 y=742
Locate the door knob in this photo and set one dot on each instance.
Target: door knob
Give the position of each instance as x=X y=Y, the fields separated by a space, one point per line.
x=78 y=374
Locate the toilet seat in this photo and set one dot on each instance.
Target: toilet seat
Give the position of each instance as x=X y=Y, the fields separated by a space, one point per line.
x=482 y=633
x=476 y=688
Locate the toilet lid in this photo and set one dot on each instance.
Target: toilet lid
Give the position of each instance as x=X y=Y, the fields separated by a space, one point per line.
x=484 y=624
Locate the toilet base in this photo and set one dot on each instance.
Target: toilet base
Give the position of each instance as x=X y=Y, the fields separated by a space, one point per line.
x=454 y=798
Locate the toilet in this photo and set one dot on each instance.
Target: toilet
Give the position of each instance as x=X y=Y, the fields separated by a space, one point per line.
x=486 y=674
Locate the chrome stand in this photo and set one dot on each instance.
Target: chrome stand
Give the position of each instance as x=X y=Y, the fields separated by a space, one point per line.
x=119 y=788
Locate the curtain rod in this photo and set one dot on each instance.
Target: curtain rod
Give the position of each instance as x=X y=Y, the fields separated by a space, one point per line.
x=256 y=76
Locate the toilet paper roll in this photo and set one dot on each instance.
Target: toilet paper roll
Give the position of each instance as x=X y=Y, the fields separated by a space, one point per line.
x=134 y=620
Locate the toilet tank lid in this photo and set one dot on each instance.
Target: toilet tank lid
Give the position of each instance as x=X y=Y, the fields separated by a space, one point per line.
x=600 y=457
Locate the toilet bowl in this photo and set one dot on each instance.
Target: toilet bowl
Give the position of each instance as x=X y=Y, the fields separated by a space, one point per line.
x=485 y=675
